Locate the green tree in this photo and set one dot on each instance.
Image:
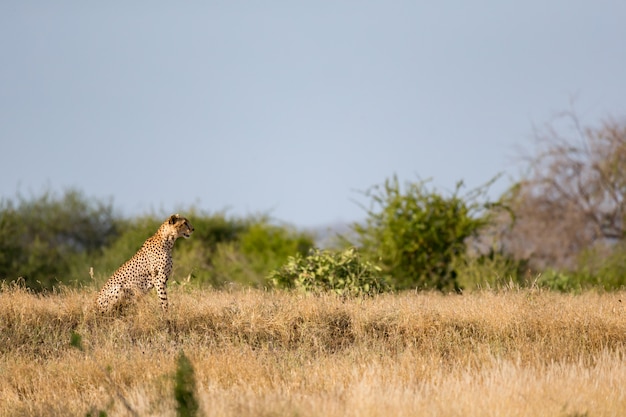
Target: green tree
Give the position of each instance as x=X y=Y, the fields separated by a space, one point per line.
x=258 y=248
x=416 y=232
x=41 y=237
x=268 y=246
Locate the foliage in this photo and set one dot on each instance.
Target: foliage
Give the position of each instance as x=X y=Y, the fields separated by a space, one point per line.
x=603 y=267
x=343 y=273
x=559 y=281
x=417 y=232
x=213 y=229
x=185 y=388
x=255 y=247
x=40 y=238
x=493 y=269
x=268 y=246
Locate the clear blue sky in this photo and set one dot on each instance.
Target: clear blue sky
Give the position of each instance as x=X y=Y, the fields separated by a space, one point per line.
x=290 y=107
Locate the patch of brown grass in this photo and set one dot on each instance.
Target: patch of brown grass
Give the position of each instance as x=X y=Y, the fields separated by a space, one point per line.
x=514 y=353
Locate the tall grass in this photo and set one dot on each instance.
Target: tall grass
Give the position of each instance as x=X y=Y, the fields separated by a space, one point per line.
x=256 y=353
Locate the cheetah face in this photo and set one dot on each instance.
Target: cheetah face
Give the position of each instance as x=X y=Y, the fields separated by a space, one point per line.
x=185 y=230
x=182 y=226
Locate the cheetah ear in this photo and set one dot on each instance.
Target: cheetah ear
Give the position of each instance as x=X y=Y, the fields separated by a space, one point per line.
x=174 y=218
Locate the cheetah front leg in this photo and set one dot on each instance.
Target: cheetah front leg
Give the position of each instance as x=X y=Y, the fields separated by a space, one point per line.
x=160 y=282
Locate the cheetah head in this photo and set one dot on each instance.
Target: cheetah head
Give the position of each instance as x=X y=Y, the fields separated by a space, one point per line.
x=182 y=226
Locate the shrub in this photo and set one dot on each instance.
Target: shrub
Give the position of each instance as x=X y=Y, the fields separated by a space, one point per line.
x=269 y=246
x=41 y=238
x=416 y=233
x=603 y=266
x=559 y=280
x=247 y=257
x=343 y=273
x=492 y=270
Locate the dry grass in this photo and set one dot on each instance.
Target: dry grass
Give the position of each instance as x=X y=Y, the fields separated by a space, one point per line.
x=513 y=353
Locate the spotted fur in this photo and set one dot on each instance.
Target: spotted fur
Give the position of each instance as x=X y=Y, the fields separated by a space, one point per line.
x=150 y=267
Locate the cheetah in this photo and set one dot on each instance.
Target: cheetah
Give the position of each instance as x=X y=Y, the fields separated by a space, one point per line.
x=150 y=267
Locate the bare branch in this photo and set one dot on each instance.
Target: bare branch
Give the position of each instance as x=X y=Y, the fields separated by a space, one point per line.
x=574 y=194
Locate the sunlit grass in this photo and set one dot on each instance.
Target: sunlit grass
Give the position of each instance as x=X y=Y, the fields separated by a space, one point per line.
x=256 y=353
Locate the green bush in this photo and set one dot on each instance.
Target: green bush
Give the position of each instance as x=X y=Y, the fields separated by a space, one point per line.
x=246 y=255
x=268 y=246
x=561 y=281
x=417 y=232
x=343 y=273
x=213 y=229
x=603 y=267
x=43 y=237
x=490 y=270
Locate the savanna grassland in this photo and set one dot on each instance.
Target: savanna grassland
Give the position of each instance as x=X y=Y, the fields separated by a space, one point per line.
x=276 y=353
